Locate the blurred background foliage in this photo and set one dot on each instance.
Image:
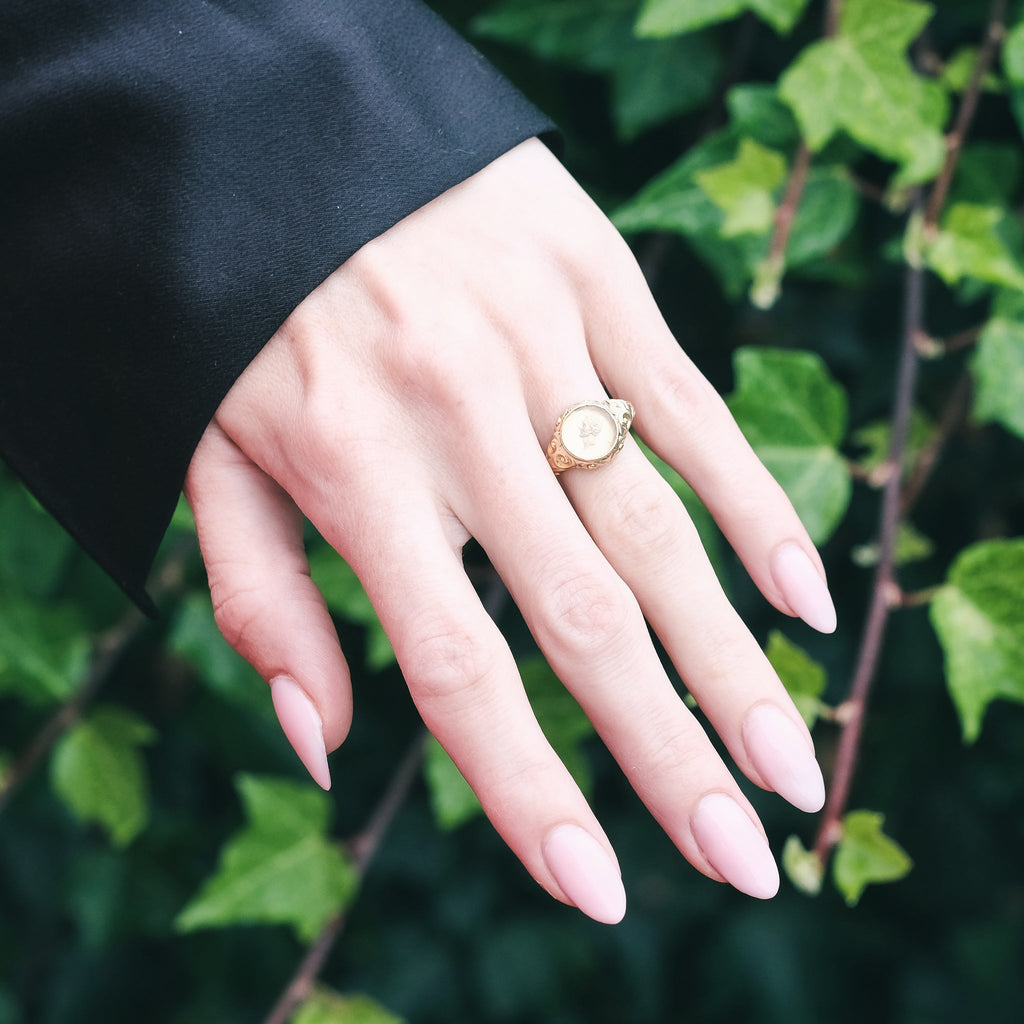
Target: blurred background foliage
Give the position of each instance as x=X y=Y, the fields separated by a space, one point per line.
x=162 y=856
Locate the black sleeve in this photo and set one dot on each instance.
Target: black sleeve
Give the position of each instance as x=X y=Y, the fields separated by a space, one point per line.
x=175 y=177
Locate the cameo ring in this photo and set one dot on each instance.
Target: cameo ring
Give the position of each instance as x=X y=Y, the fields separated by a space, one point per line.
x=589 y=434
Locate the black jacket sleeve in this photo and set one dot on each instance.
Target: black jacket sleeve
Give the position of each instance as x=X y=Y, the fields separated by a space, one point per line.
x=175 y=177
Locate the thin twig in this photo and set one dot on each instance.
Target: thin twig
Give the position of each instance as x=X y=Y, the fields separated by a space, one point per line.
x=896 y=500
x=109 y=648
x=952 y=418
x=363 y=848
x=884 y=589
x=968 y=105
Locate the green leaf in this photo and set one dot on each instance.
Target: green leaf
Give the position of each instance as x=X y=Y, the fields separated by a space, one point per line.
x=803 y=678
x=194 y=637
x=44 y=649
x=651 y=80
x=452 y=799
x=281 y=868
x=876 y=438
x=743 y=188
x=861 y=83
x=561 y=719
x=98 y=772
x=1013 y=54
x=978 y=615
x=866 y=856
x=980 y=242
x=998 y=368
x=803 y=867
x=756 y=112
x=959 y=69
x=794 y=416
x=347 y=599
x=34 y=550
x=324 y=1006
x=911 y=546
x=671 y=17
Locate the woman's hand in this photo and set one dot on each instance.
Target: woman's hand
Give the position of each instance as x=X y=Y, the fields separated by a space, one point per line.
x=404 y=407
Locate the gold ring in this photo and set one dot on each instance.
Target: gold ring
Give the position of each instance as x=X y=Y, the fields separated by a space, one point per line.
x=589 y=434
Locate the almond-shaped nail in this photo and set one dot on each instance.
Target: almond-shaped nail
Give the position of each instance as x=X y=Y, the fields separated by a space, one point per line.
x=302 y=726
x=803 y=588
x=585 y=873
x=783 y=757
x=734 y=846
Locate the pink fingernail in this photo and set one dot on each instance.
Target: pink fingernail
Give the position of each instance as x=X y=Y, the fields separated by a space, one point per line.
x=734 y=846
x=302 y=725
x=782 y=756
x=804 y=590
x=585 y=873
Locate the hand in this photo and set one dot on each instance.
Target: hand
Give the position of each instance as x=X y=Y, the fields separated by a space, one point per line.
x=405 y=406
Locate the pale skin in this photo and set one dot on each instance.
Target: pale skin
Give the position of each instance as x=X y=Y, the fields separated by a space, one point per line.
x=404 y=407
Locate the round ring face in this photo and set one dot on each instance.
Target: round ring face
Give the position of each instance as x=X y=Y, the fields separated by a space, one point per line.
x=589 y=433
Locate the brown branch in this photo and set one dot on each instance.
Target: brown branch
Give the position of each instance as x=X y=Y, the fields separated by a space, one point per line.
x=363 y=848
x=994 y=34
x=109 y=648
x=952 y=418
x=886 y=593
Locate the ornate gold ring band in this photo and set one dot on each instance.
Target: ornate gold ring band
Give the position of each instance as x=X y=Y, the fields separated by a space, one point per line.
x=589 y=434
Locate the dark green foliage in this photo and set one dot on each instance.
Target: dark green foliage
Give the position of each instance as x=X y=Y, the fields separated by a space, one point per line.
x=164 y=859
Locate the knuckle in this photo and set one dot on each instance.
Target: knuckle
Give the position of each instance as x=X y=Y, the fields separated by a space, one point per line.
x=446 y=661
x=238 y=613
x=585 y=613
x=647 y=519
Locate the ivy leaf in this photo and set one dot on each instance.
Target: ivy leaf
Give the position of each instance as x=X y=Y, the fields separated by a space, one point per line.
x=280 y=869
x=959 y=69
x=978 y=615
x=876 y=438
x=803 y=867
x=346 y=598
x=98 y=772
x=866 y=856
x=756 y=112
x=1013 y=54
x=452 y=799
x=194 y=637
x=743 y=188
x=978 y=241
x=794 y=416
x=911 y=546
x=34 y=550
x=861 y=83
x=324 y=1006
x=651 y=80
x=564 y=725
x=998 y=368
x=44 y=649
x=803 y=678
x=671 y=17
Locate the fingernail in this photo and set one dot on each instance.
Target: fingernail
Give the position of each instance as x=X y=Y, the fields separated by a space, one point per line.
x=804 y=590
x=585 y=873
x=302 y=725
x=783 y=758
x=734 y=846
